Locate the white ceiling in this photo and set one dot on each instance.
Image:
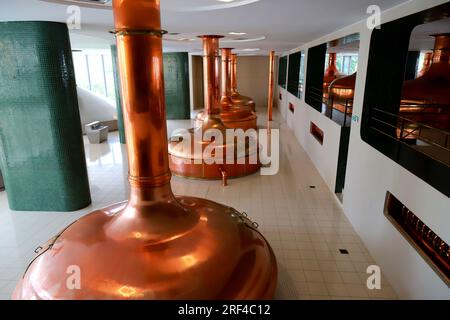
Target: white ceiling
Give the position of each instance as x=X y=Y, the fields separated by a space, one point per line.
x=421 y=38
x=282 y=24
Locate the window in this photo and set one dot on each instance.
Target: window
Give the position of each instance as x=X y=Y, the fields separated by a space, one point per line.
x=94 y=72
x=331 y=78
x=296 y=73
x=347 y=63
x=400 y=119
x=282 y=70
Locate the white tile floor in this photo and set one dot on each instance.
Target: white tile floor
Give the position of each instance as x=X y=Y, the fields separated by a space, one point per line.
x=306 y=227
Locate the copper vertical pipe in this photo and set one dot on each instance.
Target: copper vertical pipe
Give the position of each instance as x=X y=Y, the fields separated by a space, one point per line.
x=225 y=100
x=233 y=79
x=211 y=73
x=155 y=245
x=144 y=116
x=271 y=84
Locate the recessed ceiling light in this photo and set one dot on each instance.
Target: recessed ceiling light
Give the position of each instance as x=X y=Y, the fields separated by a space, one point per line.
x=250 y=49
x=237 y=33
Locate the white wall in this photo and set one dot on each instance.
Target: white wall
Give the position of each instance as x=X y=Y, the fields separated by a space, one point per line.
x=94 y=107
x=370 y=174
x=325 y=156
x=283 y=103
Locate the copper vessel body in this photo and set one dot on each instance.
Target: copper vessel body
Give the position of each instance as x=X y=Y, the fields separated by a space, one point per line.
x=427 y=99
x=271 y=85
x=236 y=97
x=331 y=73
x=192 y=162
x=342 y=92
x=155 y=245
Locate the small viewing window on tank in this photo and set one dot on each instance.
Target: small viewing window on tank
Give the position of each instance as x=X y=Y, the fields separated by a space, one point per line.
x=331 y=78
x=406 y=112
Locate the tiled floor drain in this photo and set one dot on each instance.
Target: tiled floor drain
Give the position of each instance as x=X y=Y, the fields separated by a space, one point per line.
x=343 y=251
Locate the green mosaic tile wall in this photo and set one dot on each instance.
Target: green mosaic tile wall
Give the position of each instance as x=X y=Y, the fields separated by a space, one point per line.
x=41 y=148
x=176 y=83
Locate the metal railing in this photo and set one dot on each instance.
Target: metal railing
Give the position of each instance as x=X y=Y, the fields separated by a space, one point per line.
x=328 y=105
x=347 y=105
x=408 y=129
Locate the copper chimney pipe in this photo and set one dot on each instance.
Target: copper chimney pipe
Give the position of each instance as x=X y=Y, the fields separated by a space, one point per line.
x=211 y=84
x=156 y=245
x=226 y=78
x=271 y=84
x=236 y=97
x=211 y=73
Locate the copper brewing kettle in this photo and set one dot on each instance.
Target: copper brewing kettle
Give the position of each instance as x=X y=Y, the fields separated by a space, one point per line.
x=191 y=161
x=155 y=245
x=233 y=115
x=427 y=98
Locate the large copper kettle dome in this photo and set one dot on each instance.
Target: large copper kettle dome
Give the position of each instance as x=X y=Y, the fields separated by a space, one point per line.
x=191 y=162
x=156 y=245
x=427 y=98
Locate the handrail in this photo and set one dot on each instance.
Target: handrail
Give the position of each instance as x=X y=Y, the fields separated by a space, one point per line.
x=402 y=132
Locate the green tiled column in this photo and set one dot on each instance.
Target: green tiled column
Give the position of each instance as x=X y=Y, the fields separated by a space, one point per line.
x=176 y=83
x=41 y=148
x=118 y=94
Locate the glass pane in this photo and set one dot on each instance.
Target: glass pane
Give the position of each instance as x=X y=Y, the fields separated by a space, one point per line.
x=339 y=62
x=110 y=89
x=96 y=74
x=301 y=79
x=81 y=71
x=354 y=64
